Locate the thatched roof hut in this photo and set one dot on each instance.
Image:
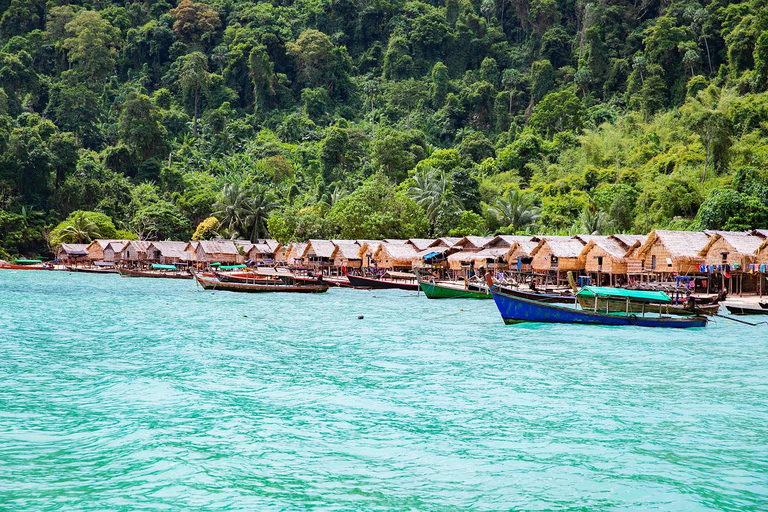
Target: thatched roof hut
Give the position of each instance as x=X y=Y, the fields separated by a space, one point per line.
x=96 y=248
x=347 y=255
x=519 y=254
x=260 y=253
x=113 y=250
x=670 y=252
x=71 y=253
x=318 y=253
x=607 y=255
x=736 y=249
x=558 y=255
x=395 y=256
x=135 y=251
x=215 y=251
x=167 y=253
x=296 y=252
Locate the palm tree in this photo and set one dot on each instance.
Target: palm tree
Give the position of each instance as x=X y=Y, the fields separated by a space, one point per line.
x=592 y=222
x=232 y=208
x=80 y=230
x=516 y=209
x=259 y=203
x=432 y=191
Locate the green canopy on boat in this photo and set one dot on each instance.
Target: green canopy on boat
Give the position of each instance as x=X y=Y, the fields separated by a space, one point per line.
x=231 y=267
x=27 y=261
x=157 y=266
x=215 y=264
x=620 y=293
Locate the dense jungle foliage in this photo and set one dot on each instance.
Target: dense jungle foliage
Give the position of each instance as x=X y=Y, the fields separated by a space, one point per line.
x=379 y=118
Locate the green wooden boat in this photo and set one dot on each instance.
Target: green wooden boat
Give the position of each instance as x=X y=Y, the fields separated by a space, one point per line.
x=439 y=290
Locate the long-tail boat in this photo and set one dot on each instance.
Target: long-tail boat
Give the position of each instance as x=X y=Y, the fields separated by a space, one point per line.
x=389 y=280
x=614 y=300
x=23 y=264
x=215 y=284
x=745 y=309
x=89 y=270
x=518 y=310
x=540 y=296
x=158 y=271
x=437 y=289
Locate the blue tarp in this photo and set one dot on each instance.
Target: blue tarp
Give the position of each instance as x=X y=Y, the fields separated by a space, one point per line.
x=432 y=255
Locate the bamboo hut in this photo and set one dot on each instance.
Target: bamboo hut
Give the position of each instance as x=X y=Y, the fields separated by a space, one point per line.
x=135 y=252
x=112 y=251
x=347 y=255
x=260 y=254
x=734 y=258
x=666 y=253
x=369 y=249
x=214 y=251
x=167 y=253
x=738 y=250
x=296 y=252
x=557 y=257
x=519 y=255
x=318 y=253
x=72 y=253
x=394 y=256
x=96 y=248
x=605 y=259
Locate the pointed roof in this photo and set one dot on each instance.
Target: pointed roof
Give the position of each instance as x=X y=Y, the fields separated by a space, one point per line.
x=680 y=244
x=421 y=243
x=320 y=248
x=568 y=248
x=743 y=242
x=75 y=249
x=507 y=240
x=170 y=249
x=474 y=242
x=347 y=251
x=610 y=245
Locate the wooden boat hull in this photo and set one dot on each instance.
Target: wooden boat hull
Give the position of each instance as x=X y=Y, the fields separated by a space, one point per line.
x=620 y=306
x=92 y=270
x=444 y=291
x=381 y=284
x=547 y=298
x=211 y=284
x=517 y=310
x=124 y=272
x=744 y=309
x=24 y=267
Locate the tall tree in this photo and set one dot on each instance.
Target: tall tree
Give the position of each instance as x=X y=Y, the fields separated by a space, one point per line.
x=194 y=79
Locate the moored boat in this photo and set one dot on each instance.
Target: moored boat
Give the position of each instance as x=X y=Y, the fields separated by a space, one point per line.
x=443 y=290
x=214 y=284
x=389 y=280
x=159 y=271
x=24 y=264
x=518 y=310
x=540 y=296
x=85 y=270
x=745 y=309
x=620 y=300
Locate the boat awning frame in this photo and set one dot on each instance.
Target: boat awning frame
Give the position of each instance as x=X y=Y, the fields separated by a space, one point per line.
x=621 y=293
x=158 y=266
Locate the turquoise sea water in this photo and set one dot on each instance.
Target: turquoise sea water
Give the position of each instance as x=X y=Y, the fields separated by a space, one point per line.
x=147 y=394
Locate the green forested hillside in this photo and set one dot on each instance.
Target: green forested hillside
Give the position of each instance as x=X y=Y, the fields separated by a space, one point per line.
x=379 y=118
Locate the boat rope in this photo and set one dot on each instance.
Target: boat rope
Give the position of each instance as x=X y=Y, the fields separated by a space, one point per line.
x=739 y=321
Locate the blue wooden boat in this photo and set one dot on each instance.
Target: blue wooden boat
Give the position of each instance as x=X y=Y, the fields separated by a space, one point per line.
x=517 y=310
